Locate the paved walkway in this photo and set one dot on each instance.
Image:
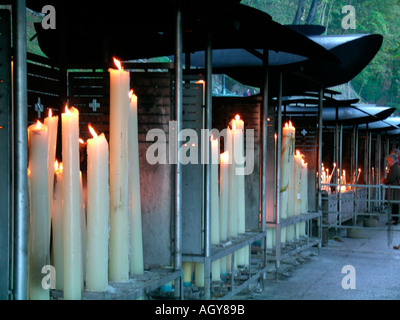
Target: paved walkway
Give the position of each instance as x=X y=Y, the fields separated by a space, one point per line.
x=376 y=265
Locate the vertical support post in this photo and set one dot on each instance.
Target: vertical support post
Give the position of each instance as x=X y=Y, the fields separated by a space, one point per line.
x=207 y=176
x=320 y=107
x=278 y=175
x=178 y=166
x=319 y=204
x=20 y=152
x=6 y=152
x=378 y=168
x=263 y=155
x=356 y=170
x=369 y=168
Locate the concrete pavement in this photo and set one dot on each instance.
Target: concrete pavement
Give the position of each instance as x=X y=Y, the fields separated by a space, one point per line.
x=319 y=276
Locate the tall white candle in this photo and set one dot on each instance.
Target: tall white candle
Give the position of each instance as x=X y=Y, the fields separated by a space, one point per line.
x=119 y=177
x=290 y=213
x=223 y=205
x=233 y=209
x=83 y=229
x=72 y=242
x=215 y=237
x=304 y=194
x=287 y=147
x=136 y=238
x=52 y=127
x=239 y=155
x=39 y=241
x=297 y=189
x=57 y=226
x=98 y=209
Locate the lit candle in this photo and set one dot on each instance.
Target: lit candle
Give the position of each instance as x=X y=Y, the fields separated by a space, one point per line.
x=288 y=134
x=39 y=241
x=215 y=237
x=297 y=183
x=72 y=241
x=83 y=229
x=242 y=254
x=297 y=189
x=304 y=194
x=98 y=208
x=233 y=185
x=136 y=256
x=119 y=177
x=57 y=226
x=52 y=127
x=223 y=205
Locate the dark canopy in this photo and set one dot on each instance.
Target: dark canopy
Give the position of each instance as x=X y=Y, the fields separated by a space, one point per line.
x=347 y=115
x=355 y=52
x=93 y=32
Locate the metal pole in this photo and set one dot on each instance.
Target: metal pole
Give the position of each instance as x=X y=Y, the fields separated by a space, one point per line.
x=178 y=117
x=320 y=107
x=207 y=177
x=369 y=136
x=263 y=156
x=278 y=175
x=20 y=152
x=378 y=167
x=319 y=206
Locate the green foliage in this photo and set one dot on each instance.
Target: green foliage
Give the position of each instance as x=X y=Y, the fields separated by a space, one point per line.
x=379 y=82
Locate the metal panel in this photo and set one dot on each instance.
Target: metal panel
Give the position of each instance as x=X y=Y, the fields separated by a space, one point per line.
x=5 y=151
x=192 y=174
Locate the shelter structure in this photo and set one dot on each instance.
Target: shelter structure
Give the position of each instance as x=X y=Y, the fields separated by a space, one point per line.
x=214 y=37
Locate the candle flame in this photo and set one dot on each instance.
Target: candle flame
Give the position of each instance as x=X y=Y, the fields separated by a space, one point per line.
x=38 y=125
x=225 y=157
x=298 y=153
x=58 y=166
x=93 y=132
x=50 y=113
x=118 y=64
x=237 y=118
x=131 y=95
x=289 y=125
x=81 y=141
x=66 y=109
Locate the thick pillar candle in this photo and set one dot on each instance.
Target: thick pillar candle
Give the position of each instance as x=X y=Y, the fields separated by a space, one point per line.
x=297 y=189
x=72 y=241
x=39 y=241
x=304 y=194
x=52 y=127
x=223 y=205
x=98 y=209
x=239 y=157
x=57 y=226
x=291 y=228
x=215 y=238
x=119 y=175
x=287 y=152
x=136 y=239
x=233 y=209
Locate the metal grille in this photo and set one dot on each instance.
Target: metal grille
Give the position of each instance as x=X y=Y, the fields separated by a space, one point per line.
x=5 y=151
